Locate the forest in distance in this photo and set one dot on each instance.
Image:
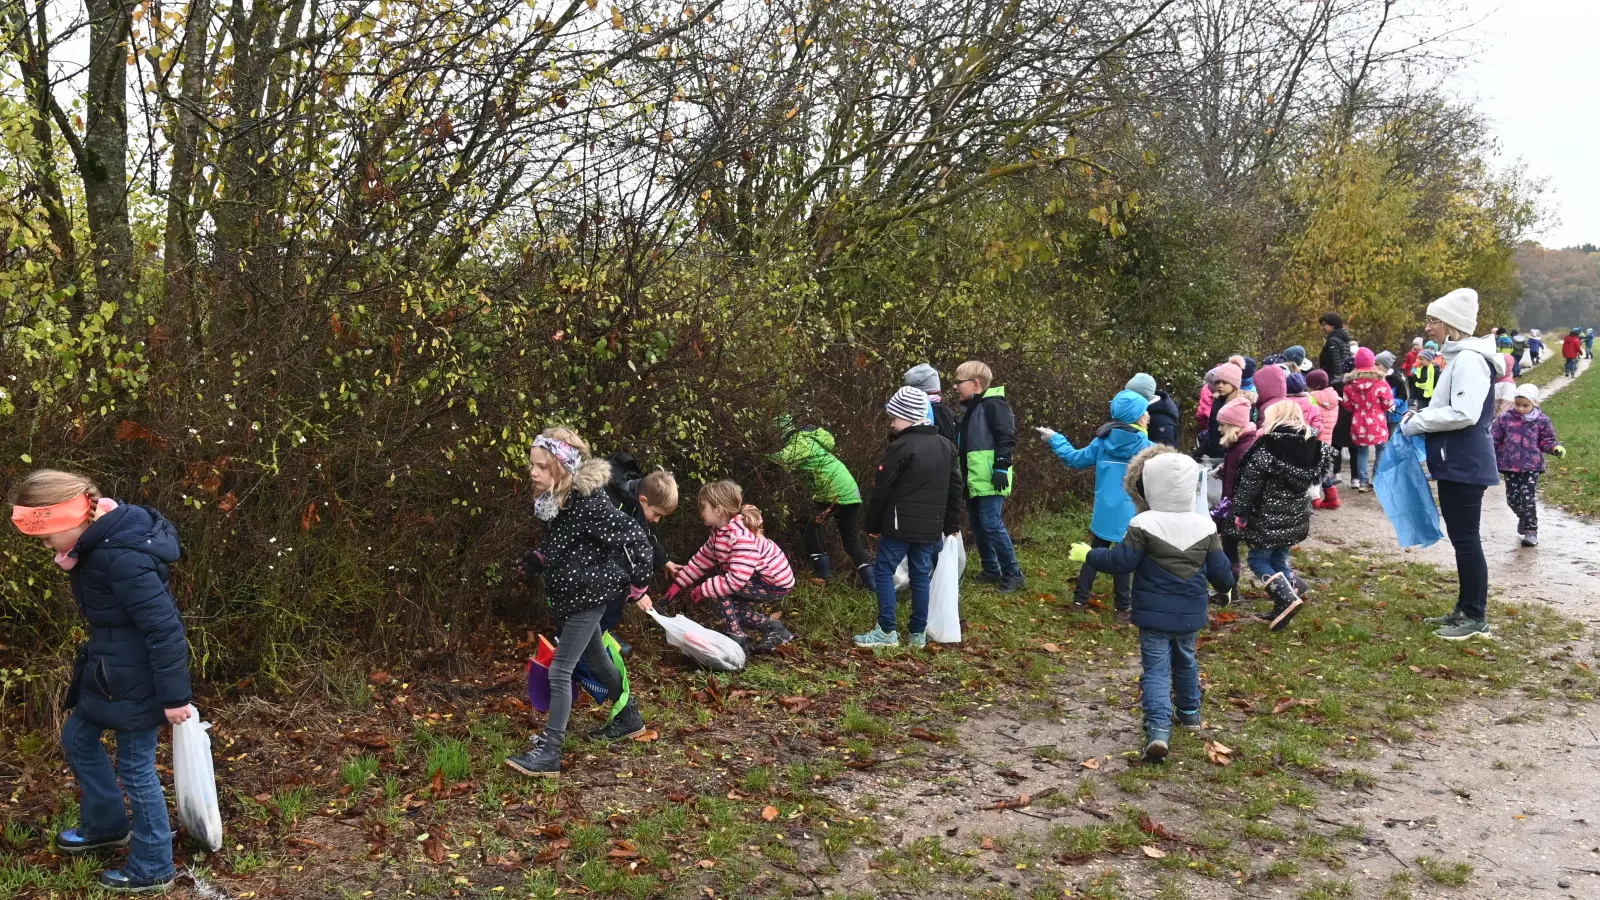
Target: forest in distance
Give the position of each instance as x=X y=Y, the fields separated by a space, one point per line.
x=308 y=277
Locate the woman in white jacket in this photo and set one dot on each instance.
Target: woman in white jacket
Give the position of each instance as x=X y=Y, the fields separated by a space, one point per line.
x=1460 y=451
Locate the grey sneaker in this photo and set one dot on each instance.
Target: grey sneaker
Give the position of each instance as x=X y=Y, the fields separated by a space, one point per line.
x=1465 y=630
x=1010 y=584
x=1531 y=539
x=1450 y=618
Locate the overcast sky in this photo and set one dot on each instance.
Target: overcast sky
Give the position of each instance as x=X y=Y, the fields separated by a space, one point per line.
x=1537 y=75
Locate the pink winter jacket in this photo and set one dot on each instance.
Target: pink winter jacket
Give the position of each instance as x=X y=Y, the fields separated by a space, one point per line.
x=1203 y=411
x=1327 y=400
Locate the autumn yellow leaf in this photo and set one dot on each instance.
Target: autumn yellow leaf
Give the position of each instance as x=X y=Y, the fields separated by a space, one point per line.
x=616 y=19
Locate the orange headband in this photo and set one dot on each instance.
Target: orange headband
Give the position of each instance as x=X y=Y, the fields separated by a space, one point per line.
x=42 y=520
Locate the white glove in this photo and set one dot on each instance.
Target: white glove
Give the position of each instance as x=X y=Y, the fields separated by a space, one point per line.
x=1045 y=434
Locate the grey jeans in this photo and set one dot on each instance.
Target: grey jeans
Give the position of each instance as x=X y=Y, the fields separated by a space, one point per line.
x=580 y=638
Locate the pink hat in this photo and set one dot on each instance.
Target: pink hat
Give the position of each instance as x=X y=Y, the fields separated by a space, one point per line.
x=1236 y=414
x=1365 y=359
x=1229 y=373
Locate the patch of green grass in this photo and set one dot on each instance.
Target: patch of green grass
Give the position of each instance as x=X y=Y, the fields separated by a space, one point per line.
x=1263 y=831
x=1574 y=482
x=1445 y=872
x=758 y=780
x=1282 y=868
x=856 y=720
x=1327 y=889
x=290 y=803
x=356 y=772
x=450 y=758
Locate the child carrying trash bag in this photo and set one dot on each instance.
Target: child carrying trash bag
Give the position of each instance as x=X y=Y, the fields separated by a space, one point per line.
x=131 y=676
x=1173 y=553
x=591 y=552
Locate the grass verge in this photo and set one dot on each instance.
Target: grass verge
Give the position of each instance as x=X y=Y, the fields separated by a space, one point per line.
x=1574 y=483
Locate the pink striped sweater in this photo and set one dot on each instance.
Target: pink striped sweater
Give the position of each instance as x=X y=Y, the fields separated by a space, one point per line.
x=739 y=554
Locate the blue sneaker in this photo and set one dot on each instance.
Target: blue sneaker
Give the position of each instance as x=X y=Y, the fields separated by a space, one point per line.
x=117 y=882
x=1189 y=719
x=919 y=641
x=74 y=841
x=877 y=638
x=1155 y=747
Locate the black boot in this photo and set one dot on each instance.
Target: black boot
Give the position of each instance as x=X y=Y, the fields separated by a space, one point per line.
x=1285 y=602
x=864 y=573
x=541 y=760
x=822 y=564
x=624 y=724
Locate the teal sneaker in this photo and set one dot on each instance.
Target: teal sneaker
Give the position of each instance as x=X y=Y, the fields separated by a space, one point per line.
x=919 y=641
x=1450 y=618
x=1465 y=630
x=1189 y=719
x=877 y=637
x=1156 y=746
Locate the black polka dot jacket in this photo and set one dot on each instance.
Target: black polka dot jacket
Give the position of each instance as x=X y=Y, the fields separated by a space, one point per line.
x=591 y=551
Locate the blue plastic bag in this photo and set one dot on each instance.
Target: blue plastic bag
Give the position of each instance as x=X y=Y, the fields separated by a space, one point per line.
x=1402 y=488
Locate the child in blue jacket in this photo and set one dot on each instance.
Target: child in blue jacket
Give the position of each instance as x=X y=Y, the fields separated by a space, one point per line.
x=1117 y=442
x=1173 y=552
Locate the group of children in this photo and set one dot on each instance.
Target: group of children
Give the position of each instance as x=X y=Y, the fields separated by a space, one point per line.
x=1267 y=435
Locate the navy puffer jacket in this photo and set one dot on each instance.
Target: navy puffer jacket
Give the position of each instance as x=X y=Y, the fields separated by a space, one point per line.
x=135 y=664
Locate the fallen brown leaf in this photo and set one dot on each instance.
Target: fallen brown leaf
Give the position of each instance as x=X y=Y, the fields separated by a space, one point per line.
x=1092 y=762
x=1051 y=648
x=1218 y=753
x=434 y=848
x=1020 y=802
x=923 y=734
x=769 y=813
x=707 y=864
x=1153 y=852
x=1155 y=829
x=647 y=735
x=987 y=843
x=795 y=704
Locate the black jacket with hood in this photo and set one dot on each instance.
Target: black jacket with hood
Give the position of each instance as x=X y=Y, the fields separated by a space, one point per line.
x=1271 y=493
x=591 y=551
x=919 y=492
x=623 y=489
x=135 y=664
x=1336 y=358
x=1164 y=415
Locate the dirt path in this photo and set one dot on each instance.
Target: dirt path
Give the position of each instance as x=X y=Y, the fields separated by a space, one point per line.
x=1511 y=785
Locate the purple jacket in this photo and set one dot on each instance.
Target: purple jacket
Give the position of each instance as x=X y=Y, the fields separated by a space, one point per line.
x=1520 y=445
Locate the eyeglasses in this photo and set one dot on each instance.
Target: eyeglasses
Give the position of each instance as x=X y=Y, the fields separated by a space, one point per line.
x=966 y=381
x=1430 y=320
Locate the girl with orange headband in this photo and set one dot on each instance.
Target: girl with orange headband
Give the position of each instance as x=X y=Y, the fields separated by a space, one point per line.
x=131 y=676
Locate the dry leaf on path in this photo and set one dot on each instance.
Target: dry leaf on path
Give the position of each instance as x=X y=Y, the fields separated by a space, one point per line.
x=1218 y=754
x=434 y=848
x=1153 y=852
x=1092 y=762
x=769 y=814
x=1051 y=648
x=1021 y=802
x=647 y=735
x=795 y=704
x=923 y=734
x=987 y=843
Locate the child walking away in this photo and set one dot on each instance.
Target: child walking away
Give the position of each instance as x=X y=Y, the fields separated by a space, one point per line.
x=1572 y=350
x=1163 y=409
x=591 y=552
x=925 y=378
x=987 y=439
x=1367 y=397
x=1535 y=346
x=648 y=499
x=809 y=451
x=1522 y=435
x=1238 y=436
x=130 y=677
x=1173 y=552
x=916 y=501
x=1270 y=504
x=737 y=569
x=1117 y=442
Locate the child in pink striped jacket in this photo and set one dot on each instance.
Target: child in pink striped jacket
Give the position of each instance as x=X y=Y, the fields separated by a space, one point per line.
x=737 y=569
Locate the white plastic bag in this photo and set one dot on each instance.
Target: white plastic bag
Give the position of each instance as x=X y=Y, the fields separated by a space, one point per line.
x=1202 y=499
x=902 y=577
x=711 y=649
x=195 y=782
x=944 y=602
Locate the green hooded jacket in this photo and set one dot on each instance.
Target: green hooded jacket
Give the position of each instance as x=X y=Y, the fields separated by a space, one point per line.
x=810 y=453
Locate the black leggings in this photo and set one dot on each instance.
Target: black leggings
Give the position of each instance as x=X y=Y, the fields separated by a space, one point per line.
x=846 y=515
x=1461 y=506
x=1522 y=495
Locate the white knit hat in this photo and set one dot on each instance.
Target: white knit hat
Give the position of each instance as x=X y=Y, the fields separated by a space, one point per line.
x=1531 y=391
x=910 y=404
x=1458 y=309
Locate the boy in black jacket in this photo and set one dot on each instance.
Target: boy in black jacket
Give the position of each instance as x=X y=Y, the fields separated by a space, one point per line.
x=1173 y=552
x=648 y=499
x=916 y=501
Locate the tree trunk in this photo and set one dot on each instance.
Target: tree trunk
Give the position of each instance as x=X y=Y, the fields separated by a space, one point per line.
x=103 y=164
x=184 y=124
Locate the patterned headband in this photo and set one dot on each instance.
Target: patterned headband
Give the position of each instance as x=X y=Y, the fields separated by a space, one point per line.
x=569 y=456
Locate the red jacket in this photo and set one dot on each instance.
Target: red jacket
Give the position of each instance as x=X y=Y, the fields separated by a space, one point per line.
x=1368 y=397
x=1572 y=346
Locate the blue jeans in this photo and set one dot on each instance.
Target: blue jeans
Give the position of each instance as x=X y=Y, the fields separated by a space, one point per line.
x=102 y=814
x=989 y=530
x=919 y=565
x=1266 y=561
x=1170 y=673
x=1358 y=463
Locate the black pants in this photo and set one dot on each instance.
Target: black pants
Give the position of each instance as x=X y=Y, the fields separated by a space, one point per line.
x=1461 y=506
x=1522 y=495
x=846 y=516
x=1122 y=583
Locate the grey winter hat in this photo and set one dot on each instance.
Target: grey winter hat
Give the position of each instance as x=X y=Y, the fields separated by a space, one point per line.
x=924 y=378
x=1385 y=359
x=910 y=404
x=1142 y=384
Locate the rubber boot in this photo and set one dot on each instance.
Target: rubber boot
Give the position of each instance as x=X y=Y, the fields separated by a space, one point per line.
x=823 y=564
x=1330 y=499
x=1285 y=602
x=864 y=575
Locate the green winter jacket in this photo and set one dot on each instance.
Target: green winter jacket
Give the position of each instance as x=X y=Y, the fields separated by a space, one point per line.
x=810 y=453
x=988 y=438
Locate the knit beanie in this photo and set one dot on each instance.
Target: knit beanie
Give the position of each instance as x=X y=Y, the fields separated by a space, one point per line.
x=1431 y=345
x=1416 y=342
x=1316 y=380
x=1295 y=354
x=910 y=404
x=1228 y=373
x=1275 y=359
x=1531 y=391
x=1427 y=356
x=1385 y=359
x=1296 y=383
x=924 y=378
x=1128 y=407
x=1235 y=414
x=1458 y=309
x=1364 y=358
x=1142 y=384
x=1248 y=373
